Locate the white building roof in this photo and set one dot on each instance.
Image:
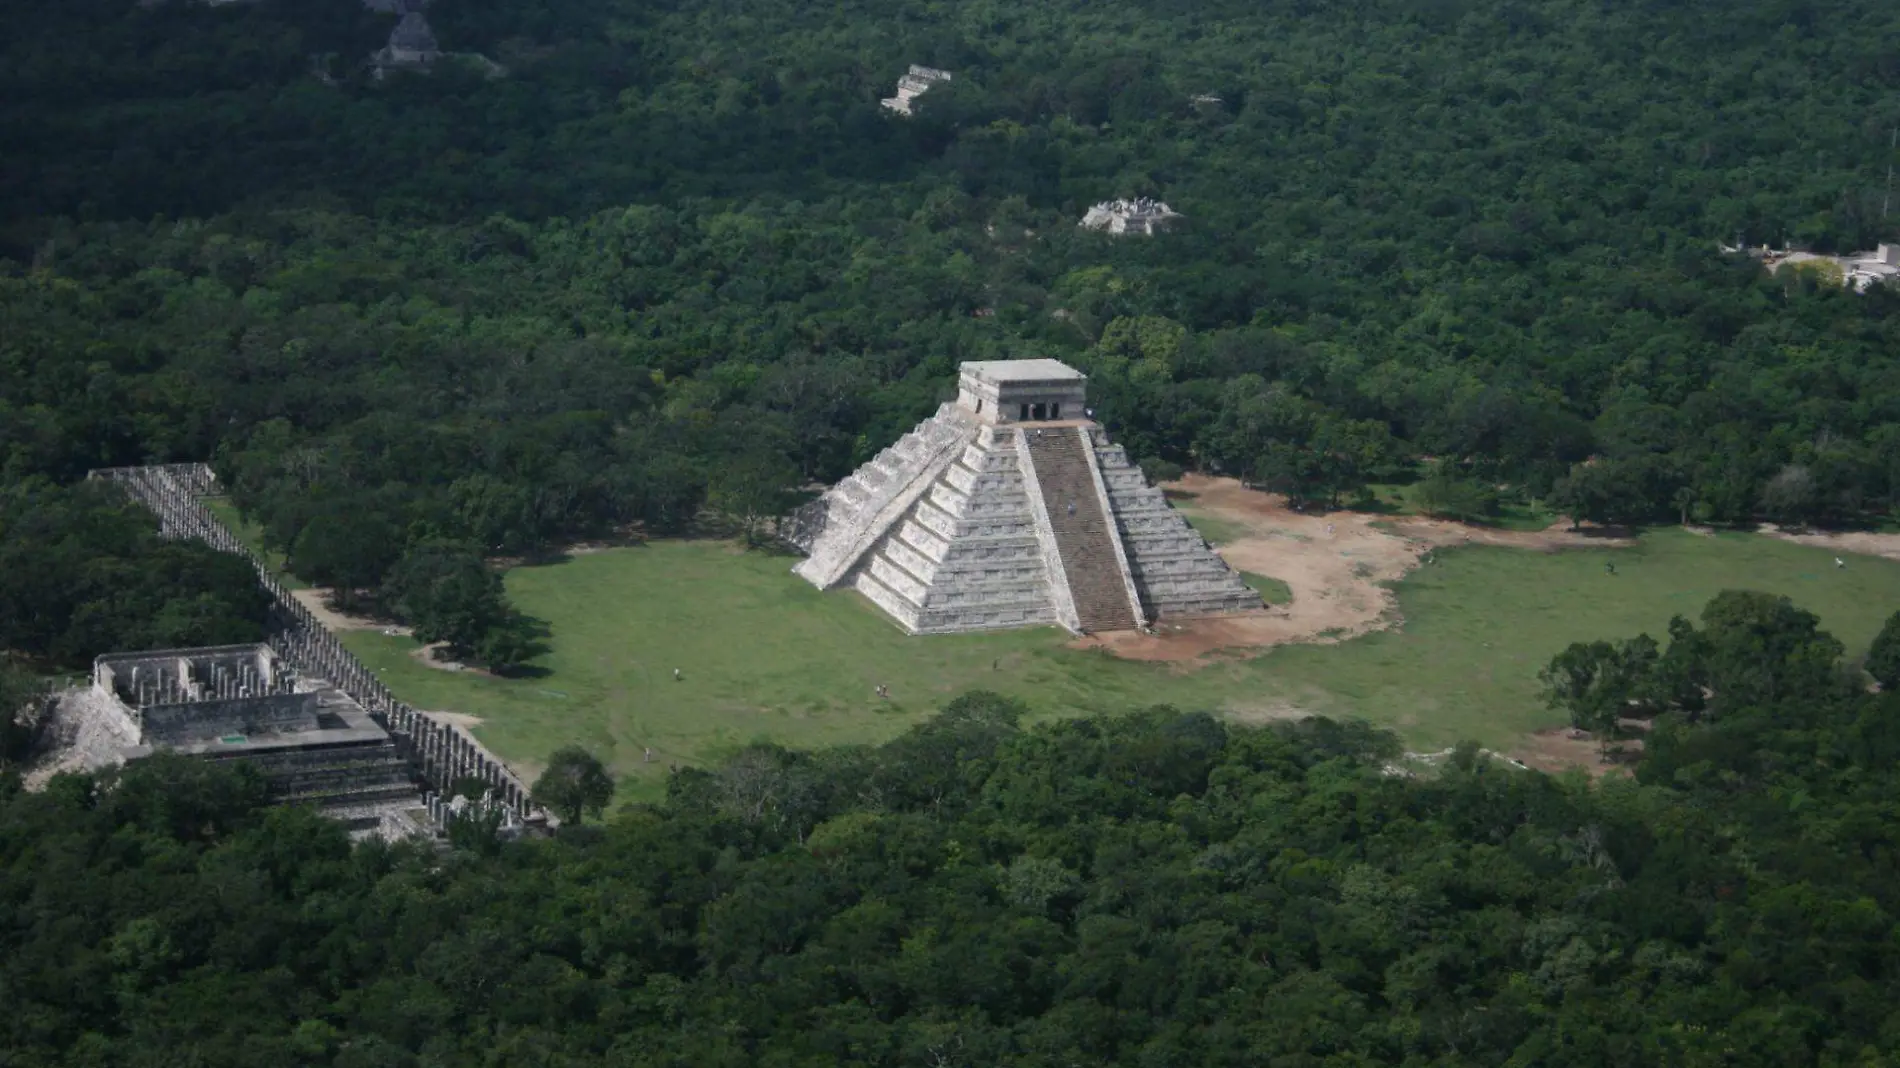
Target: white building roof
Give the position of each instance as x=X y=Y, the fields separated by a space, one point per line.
x=1023 y=371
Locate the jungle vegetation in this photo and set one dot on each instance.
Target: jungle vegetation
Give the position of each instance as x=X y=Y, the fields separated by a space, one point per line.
x=677 y=264
x=1156 y=889
x=679 y=260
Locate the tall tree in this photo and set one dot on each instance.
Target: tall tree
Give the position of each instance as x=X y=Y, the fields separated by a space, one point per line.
x=1883 y=657
x=575 y=785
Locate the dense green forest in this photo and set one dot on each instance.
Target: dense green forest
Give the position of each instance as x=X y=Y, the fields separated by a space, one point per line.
x=1156 y=890
x=678 y=258
x=83 y=572
x=677 y=264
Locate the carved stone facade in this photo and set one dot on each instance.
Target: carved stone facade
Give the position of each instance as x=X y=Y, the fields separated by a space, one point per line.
x=1009 y=507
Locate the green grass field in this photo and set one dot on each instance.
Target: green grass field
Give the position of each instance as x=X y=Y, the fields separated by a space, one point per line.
x=1270 y=589
x=766 y=657
x=1216 y=530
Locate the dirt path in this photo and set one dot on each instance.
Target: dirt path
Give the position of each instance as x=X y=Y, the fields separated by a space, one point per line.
x=1337 y=566
x=1862 y=542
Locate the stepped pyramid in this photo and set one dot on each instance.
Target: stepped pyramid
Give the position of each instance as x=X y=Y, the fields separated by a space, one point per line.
x=1009 y=508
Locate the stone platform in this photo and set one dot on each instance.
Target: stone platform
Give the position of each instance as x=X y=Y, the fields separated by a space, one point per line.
x=314 y=744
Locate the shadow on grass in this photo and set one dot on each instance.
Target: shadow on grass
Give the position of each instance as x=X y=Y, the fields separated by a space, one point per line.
x=1374 y=506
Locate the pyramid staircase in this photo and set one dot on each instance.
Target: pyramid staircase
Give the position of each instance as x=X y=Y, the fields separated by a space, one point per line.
x=1087 y=548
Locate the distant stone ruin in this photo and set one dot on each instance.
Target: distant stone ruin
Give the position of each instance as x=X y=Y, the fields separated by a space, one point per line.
x=1859 y=271
x=1009 y=508
x=411 y=44
x=913 y=85
x=1142 y=215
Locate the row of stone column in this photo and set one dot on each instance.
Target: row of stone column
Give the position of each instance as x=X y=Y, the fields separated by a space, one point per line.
x=452 y=755
x=442 y=752
x=443 y=808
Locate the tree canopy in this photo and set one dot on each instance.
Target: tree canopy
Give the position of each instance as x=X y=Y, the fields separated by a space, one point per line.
x=678 y=258
x=84 y=572
x=1159 y=888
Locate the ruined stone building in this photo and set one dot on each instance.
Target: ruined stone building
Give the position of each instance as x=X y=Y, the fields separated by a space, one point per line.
x=1010 y=507
x=912 y=85
x=1859 y=271
x=1142 y=215
x=411 y=44
x=330 y=750
x=314 y=744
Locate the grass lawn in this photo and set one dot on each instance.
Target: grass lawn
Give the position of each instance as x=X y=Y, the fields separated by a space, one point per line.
x=1216 y=530
x=765 y=656
x=1270 y=589
x=1481 y=622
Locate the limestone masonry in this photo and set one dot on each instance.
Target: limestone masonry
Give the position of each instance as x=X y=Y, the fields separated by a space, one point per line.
x=1008 y=508
x=1142 y=215
x=912 y=85
x=313 y=743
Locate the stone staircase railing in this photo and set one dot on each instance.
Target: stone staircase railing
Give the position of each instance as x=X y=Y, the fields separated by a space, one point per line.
x=442 y=752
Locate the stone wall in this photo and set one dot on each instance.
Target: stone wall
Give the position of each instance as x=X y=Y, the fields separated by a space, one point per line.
x=441 y=752
x=208 y=720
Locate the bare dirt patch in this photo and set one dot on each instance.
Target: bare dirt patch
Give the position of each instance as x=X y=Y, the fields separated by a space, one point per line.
x=317 y=600
x=425 y=655
x=1267 y=712
x=1556 y=749
x=1338 y=565
x=457 y=719
x=1865 y=543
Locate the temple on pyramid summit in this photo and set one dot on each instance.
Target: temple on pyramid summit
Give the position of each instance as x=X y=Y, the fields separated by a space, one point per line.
x=1010 y=508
